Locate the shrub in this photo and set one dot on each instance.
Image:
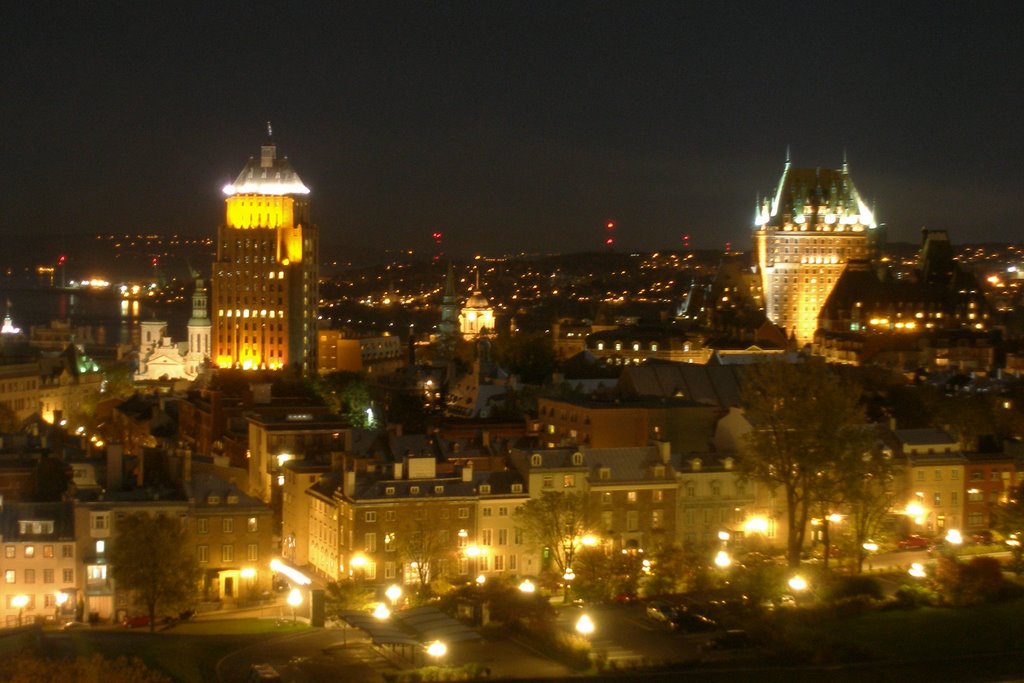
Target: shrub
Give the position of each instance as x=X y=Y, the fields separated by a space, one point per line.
x=912 y=596
x=855 y=586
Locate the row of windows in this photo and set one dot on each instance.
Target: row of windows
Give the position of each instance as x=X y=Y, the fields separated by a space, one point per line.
x=227 y=553
x=391 y=515
x=66 y=550
x=29 y=576
x=227 y=525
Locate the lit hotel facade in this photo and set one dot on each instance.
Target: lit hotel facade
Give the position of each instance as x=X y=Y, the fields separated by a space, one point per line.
x=803 y=238
x=264 y=283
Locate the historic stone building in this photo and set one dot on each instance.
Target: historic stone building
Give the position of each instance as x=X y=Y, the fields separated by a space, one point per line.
x=804 y=235
x=265 y=275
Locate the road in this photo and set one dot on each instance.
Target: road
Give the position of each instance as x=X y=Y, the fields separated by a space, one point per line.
x=624 y=635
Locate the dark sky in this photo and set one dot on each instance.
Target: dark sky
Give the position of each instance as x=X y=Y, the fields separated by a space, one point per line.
x=510 y=126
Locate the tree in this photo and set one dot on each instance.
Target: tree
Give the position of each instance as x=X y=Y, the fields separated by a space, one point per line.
x=807 y=427
x=422 y=545
x=152 y=556
x=555 y=522
x=868 y=493
x=345 y=393
x=347 y=594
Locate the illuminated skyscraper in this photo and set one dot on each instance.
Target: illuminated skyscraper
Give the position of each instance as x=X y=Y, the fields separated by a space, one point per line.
x=265 y=275
x=803 y=238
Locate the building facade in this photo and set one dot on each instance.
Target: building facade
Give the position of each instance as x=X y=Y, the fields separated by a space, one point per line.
x=264 y=283
x=803 y=237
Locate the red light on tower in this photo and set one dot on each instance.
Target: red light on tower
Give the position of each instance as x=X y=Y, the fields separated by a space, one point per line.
x=610 y=230
x=154 y=261
x=728 y=247
x=61 y=260
x=686 y=241
x=437 y=242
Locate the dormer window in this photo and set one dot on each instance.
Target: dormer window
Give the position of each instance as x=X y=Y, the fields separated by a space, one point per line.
x=535 y=460
x=600 y=346
x=577 y=458
x=213 y=500
x=389 y=491
x=414 y=490
x=654 y=346
x=636 y=346
x=727 y=463
x=695 y=464
x=659 y=471
x=438 y=489
x=485 y=489
x=517 y=488
x=232 y=500
x=604 y=473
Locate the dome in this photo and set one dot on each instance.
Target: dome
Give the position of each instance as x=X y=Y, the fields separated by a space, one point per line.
x=477 y=300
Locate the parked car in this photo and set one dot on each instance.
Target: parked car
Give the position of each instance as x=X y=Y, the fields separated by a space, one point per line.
x=983 y=537
x=733 y=639
x=688 y=622
x=139 y=621
x=661 y=611
x=72 y=625
x=263 y=673
x=913 y=542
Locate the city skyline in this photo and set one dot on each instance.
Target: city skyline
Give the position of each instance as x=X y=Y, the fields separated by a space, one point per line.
x=510 y=129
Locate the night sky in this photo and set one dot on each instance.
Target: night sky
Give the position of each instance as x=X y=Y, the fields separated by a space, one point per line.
x=510 y=126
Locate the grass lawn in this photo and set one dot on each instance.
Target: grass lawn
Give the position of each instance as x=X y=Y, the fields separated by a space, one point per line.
x=936 y=633
x=925 y=634
x=187 y=653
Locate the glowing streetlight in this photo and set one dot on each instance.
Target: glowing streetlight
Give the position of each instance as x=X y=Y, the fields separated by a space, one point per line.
x=569 y=574
x=19 y=601
x=527 y=586
x=585 y=625
x=589 y=540
x=481 y=580
x=953 y=536
x=393 y=592
x=381 y=611
x=870 y=546
x=723 y=536
x=437 y=649
x=294 y=599
x=756 y=525
x=722 y=559
x=916 y=570
x=798 y=583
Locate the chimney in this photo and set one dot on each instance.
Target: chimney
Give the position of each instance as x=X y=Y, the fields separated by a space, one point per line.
x=485 y=438
x=467 y=471
x=186 y=466
x=115 y=466
x=398 y=470
x=349 y=485
x=664 y=449
x=337 y=461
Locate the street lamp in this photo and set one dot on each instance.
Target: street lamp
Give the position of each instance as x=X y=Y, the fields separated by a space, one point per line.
x=567 y=578
x=393 y=592
x=585 y=625
x=19 y=601
x=381 y=612
x=294 y=599
x=61 y=598
x=798 y=583
x=527 y=587
x=954 y=537
x=437 y=649
x=722 y=559
x=917 y=570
